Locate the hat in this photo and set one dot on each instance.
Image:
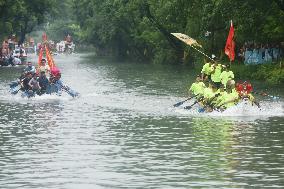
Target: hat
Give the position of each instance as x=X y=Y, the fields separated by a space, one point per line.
x=55 y=71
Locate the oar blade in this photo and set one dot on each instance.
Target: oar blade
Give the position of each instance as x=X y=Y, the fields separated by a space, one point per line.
x=14 y=90
x=14 y=84
x=178 y=104
x=72 y=92
x=188 y=107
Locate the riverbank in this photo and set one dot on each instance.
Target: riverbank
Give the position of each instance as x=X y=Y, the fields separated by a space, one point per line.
x=272 y=74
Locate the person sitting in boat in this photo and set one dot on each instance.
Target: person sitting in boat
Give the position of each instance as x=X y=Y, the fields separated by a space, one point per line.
x=209 y=95
x=25 y=82
x=226 y=75
x=219 y=98
x=245 y=91
x=56 y=84
x=44 y=67
x=230 y=98
x=197 y=87
x=43 y=82
x=30 y=68
x=216 y=73
x=34 y=84
x=206 y=71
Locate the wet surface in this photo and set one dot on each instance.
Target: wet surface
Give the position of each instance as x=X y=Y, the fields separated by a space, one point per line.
x=124 y=133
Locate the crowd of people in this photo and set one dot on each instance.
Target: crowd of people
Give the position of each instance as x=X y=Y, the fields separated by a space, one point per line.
x=42 y=80
x=12 y=53
x=215 y=88
x=252 y=53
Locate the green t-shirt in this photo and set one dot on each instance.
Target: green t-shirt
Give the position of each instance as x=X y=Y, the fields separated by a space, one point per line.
x=233 y=97
x=226 y=76
x=215 y=76
x=207 y=69
x=197 y=88
x=208 y=93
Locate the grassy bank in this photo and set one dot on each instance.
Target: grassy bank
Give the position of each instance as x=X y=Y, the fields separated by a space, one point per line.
x=271 y=73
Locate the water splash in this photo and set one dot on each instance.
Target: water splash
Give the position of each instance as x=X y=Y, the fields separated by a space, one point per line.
x=242 y=111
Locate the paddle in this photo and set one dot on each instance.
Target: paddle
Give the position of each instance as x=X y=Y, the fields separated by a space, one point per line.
x=15 y=91
x=180 y=103
x=189 y=107
x=14 y=84
x=256 y=103
x=265 y=94
x=70 y=91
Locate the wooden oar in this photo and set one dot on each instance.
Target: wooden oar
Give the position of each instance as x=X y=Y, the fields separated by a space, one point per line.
x=180 y=103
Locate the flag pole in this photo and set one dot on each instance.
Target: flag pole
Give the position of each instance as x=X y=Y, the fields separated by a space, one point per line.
x=230 y=58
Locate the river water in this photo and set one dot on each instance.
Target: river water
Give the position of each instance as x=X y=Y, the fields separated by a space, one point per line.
x=123 y=132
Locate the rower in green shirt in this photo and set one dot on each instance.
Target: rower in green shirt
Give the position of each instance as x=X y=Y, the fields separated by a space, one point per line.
x=206 y=71
x=215 y=75
x=197 y=87
x=230 y=98
x=226 y=75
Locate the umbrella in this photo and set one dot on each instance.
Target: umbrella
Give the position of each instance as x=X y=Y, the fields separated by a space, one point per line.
x=191 y=42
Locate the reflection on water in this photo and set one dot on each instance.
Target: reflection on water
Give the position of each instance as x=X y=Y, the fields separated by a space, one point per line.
x=123 y=133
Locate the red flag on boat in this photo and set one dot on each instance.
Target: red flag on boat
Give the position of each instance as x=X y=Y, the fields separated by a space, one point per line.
x=40 y=56
x=44 y=37
x=230 y=44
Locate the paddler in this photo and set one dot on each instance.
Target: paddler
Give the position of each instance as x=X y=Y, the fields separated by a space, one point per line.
x=197 y=87
x=215 y=75
x=230 y=98
x=220 y=97
x=43 y=82
x=207 y=69
x=226 y=75
x=34 y=84
x=209 y=95
x=44 y=67
x=30 y=68
x=246 y=93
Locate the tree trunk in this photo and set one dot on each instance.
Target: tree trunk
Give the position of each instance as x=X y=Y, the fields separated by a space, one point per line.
x=175 y=44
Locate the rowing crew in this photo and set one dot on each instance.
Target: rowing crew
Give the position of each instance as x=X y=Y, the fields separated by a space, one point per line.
x=222 y=92
x=34 y=81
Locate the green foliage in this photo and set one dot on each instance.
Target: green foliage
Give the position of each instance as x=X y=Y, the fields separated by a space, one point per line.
x=270 y=73
x=21 y=16
x=130 y=28
x=273 y=74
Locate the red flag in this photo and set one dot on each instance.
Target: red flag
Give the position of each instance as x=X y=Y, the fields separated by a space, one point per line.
x=230 y=44
x=44 y=37
x=40 y=56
